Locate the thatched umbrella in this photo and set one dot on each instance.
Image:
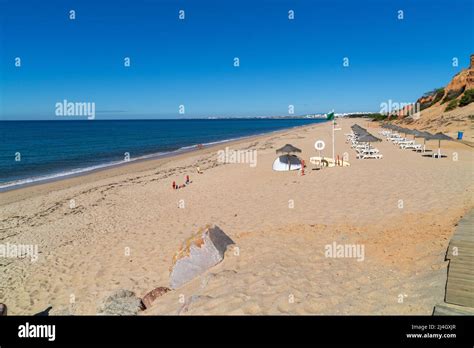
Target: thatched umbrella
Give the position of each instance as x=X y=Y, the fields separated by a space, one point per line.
x=405 y=131
x=356 y=126
x=398 y=128
x=393 y=127
x=439 y=136
x=288 y=148
x=358 y=129
x=424 y=135
x=368 y=138
x=419 y=134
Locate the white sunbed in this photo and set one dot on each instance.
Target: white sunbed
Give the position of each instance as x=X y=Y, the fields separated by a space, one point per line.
x=370 y=156
x=366 y=151
x=351 y=139
x=411 y=146
x=403 y=141
x=406 y=142
x=361 y=151
x=438 y=155
x=421 y=149
x=360 y=146
x=394 y=136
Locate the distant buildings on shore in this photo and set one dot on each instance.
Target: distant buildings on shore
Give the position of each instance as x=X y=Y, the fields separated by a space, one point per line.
x=315 y=116
x=343 y=114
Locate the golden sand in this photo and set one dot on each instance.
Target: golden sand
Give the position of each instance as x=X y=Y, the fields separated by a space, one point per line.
x=127 y=226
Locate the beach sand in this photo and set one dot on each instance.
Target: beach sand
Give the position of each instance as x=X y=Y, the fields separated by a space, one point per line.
x=401 y=209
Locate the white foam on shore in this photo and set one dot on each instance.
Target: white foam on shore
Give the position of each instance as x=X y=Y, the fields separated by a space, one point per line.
x=21 y=182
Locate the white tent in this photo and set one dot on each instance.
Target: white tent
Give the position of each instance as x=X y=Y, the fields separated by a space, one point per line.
x=287 y=162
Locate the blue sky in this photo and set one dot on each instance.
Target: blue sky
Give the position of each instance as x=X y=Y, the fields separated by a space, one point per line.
x=190 y=62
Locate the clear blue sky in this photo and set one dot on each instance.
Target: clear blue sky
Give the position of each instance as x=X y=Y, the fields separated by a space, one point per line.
x=190 y=62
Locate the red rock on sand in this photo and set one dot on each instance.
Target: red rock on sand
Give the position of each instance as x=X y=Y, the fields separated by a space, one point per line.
x=149 y=298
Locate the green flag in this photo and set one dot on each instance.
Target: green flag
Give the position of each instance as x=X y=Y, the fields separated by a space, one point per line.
x=330 y=116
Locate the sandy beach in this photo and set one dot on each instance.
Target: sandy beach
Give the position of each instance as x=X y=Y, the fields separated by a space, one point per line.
x=126 y=224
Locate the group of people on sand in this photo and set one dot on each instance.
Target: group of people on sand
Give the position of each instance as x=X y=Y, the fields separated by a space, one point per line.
x=186 y=183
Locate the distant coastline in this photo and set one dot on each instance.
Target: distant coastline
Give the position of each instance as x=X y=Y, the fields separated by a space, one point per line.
x=60 y=174
x=318 y=116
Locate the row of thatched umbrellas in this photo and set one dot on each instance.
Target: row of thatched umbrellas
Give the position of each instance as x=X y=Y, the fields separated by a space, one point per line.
x=366 y=137
x=418 y=134
x=363 y=136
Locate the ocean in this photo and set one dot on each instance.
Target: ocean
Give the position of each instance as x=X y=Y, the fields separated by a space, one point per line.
x=34 y=151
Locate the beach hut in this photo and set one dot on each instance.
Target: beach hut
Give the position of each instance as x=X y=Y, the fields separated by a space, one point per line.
x=287 y=161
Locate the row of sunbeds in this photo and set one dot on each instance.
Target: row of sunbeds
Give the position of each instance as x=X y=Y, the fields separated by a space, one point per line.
x=403 y=142
x=363 y=149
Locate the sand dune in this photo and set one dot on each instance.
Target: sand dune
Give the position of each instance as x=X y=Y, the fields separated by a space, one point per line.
x=281 y=265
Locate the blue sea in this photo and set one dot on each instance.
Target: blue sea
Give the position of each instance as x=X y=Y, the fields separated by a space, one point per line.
x=34 y=151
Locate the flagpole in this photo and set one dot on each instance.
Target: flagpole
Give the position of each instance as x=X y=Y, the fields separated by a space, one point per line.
x=333 y=125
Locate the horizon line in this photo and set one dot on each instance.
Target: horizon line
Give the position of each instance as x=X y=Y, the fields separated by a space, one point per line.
x=64 y=119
